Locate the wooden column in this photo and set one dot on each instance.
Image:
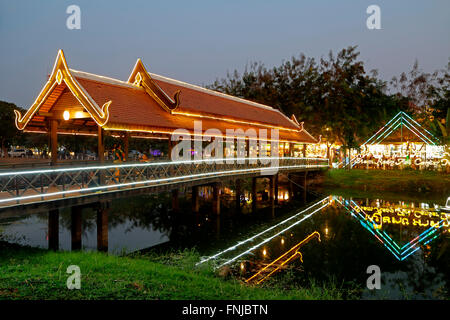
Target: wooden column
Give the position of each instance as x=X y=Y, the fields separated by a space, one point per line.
x=76 y=227
x=100 y=145
x=290 y=187
x=53 y=230
x=102 y=229
x=54 y=141
x=216 y=199
x=195 y=200
x=276 y=188
x=247 y=147
x=305 y=177
x=126 y=144
x=238 y=192
x=304 y=150
x=272 y=191
x=254 y=195
x=170 y=147
x=175 y=202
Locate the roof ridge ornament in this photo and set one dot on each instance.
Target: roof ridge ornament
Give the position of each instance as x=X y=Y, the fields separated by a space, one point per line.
x=294 y=119
x=60 y=74
x=140 y=77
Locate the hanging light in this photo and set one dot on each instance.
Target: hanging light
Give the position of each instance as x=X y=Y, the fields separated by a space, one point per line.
x=66 y=115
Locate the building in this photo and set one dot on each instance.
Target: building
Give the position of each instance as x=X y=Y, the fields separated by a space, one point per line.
x=402 y=142
x=147 y=106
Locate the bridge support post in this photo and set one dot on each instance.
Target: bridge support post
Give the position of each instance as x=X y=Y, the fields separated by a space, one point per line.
x=195 y=200
x=53 y=229
x=54 y=141
x=276 y=188
x=216 y=199
x=290 y=187
x=102 y=229
x=76 y=227
x=238 y=195
x=305 y=180
x=175 y=202
x=254 y=195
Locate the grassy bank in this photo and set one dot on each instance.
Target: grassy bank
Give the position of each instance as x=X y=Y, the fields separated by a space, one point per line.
x=28 y=273
x=405 y=181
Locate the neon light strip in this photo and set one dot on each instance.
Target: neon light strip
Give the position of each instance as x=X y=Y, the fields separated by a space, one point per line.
x=270 y=238
x=377 y=231
x=371 y=231
x=282 y=264
x=418 y=242
x=388 y=131
x=415 y=242
x=418 y=132
x=296 y=247
x=419 y=125
x=364 y=223
x=151 y=181
x=369 y=227
x=211 y=160
x=259 y=234
x=381 y=129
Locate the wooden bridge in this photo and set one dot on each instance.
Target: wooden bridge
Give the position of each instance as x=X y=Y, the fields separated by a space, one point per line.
x=51 y=188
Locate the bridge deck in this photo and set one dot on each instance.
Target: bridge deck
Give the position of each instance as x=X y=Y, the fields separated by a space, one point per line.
x=38 y=186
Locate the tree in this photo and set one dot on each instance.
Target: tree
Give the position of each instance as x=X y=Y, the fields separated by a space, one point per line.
x=8 y=131
x=335 y=97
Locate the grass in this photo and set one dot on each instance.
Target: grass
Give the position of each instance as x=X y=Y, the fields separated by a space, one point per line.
x=408 y=181
x=30 y=273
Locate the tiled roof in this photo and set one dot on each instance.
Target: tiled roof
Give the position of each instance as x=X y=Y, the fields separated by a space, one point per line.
x=133 y=109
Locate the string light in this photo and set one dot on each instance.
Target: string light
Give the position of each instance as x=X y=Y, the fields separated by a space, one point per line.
x=136 y=183
x=61 y=73
x=260 y=234
x=294 y=248
x=387 y=241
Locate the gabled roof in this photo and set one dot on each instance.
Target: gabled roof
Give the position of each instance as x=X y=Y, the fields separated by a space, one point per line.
x=151 y=104
x=402 y=128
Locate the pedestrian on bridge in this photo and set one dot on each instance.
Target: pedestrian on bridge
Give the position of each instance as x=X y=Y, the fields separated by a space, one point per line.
x=119 y=157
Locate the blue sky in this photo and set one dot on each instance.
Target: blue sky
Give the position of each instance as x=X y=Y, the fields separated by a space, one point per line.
x=199 y=41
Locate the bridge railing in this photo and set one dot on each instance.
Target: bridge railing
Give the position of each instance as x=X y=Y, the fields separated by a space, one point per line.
x=35 y=185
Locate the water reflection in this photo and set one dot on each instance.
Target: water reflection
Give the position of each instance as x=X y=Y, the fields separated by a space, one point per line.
x=407 y=239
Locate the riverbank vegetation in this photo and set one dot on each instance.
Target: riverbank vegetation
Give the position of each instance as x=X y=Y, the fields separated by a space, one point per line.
x=31 y=273
x=405 y=181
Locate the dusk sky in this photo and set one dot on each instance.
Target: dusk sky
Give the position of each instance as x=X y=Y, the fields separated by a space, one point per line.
x=199 y=41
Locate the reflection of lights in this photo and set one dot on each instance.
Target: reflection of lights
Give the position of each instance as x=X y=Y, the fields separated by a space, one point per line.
x=324 y=202
x=264 y=252
x=242 y=266
x=295 y=251
x=387 y=241
x=326 y=231
x=282 y=240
